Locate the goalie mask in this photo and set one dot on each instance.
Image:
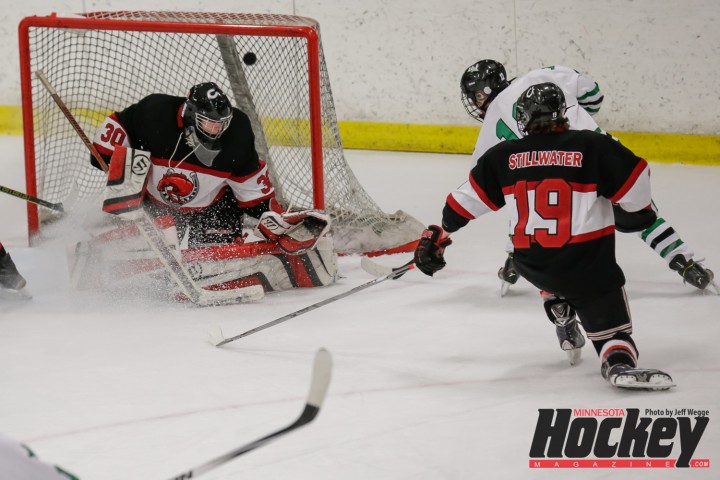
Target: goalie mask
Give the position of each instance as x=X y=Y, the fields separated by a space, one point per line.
x=540 y=106
x=480 y=84
x=206 y=113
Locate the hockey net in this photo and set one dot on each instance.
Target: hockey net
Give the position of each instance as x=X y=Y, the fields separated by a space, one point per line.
x=271 y=65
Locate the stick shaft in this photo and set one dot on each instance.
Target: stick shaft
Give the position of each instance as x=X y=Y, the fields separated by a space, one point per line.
x=31 y=199
x=63 y=108
x=392 y=276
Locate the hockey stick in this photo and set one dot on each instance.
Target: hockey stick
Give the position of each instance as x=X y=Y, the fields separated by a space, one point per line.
x=378 y=270
x=397 y=273
x=29 y=198
x=322 y=369
x=155 y=239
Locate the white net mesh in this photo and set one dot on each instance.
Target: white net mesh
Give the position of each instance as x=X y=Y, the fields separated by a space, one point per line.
x=97 y=69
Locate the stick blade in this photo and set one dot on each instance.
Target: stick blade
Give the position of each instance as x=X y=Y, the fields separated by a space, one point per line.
x=374 y=269
x=322 y=372
x=377 y=270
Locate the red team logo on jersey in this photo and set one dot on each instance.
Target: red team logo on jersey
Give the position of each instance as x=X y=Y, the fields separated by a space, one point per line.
x=178 y=188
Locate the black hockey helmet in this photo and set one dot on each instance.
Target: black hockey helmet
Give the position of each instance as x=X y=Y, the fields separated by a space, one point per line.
x=480 y=84
x=207 y=111
x=541 y=104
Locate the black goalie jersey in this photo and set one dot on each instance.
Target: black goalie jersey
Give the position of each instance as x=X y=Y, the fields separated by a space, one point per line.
x=178 y=178
x=558 y=190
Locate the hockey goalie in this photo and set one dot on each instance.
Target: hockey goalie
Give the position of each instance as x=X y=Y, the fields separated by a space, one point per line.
x=190 y=163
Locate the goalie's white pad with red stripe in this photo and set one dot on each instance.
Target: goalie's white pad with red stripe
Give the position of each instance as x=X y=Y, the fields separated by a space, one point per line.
x=112 y=261
x=126 y=182
x=226 y=266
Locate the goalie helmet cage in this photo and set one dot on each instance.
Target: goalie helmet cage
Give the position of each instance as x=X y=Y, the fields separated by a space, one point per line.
x=271 y=65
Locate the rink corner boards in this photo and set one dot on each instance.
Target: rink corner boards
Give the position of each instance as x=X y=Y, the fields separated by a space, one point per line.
x=361 y=135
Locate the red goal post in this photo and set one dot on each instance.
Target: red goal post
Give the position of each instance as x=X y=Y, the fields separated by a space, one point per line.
x=271 y=66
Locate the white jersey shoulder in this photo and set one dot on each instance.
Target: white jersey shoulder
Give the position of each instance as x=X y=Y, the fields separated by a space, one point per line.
x=500 y=122
x=17 y=462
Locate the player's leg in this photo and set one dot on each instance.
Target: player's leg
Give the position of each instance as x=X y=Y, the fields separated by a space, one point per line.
x=607 y=322
x=265 y=264
x=665 y=241
x=567 y=328
x=507 y=274
x=218 y=224
x=10 y=278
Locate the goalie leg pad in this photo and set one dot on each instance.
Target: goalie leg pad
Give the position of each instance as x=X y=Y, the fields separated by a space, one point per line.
x=275 y=271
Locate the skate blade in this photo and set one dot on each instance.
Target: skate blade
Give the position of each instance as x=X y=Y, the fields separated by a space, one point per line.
x=10 y=294
x=574 y=355
x=656 y=382
x=713 y=288
x=504 y=287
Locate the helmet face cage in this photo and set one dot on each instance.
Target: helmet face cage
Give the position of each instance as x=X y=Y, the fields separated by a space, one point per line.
x=211 y=128
x=480 y=84
x=540 y=104
x=208 y=110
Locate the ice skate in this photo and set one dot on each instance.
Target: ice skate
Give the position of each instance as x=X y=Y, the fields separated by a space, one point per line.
x=10 y=278
x=570 y=337
x=694 y=274
x=624 y=376
x=566 y=327
x=508 y=275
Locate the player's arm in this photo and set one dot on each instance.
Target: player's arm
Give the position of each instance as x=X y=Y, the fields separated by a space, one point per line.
x=626 y=175
x=589 y=95
x=479 y=195
x=295 y=232
x=110 y=134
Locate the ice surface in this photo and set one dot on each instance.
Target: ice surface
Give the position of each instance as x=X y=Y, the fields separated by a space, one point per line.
x=434 y=378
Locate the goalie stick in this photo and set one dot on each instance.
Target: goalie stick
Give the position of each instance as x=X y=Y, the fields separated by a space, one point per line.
x=396 y=273
x=322 y=369
x=29 y=198
x=155 y=239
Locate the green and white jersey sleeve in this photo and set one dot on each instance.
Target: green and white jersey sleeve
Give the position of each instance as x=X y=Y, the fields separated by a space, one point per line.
x=501 y=118
x=18 y=462
x=578 y=85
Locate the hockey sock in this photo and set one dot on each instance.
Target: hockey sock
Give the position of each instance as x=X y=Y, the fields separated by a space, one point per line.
x=662 y=238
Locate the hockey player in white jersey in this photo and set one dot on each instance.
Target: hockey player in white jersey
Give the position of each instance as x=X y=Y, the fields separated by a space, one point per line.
x=489 y=97
x=18 y=462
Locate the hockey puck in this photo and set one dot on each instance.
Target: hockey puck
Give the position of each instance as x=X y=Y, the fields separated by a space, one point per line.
x=249 y=58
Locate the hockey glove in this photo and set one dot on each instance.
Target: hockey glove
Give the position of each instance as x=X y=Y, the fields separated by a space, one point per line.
x=126 y=180
x=294 y=232
x=429 y=252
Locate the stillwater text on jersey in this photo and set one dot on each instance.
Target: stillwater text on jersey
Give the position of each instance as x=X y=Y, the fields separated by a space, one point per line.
x=545 y=158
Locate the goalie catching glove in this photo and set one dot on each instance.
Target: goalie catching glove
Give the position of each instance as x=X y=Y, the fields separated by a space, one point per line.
x=294 y=232
x=430 y=250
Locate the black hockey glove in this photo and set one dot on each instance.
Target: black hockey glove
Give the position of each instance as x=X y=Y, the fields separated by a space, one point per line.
x=429 y=252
